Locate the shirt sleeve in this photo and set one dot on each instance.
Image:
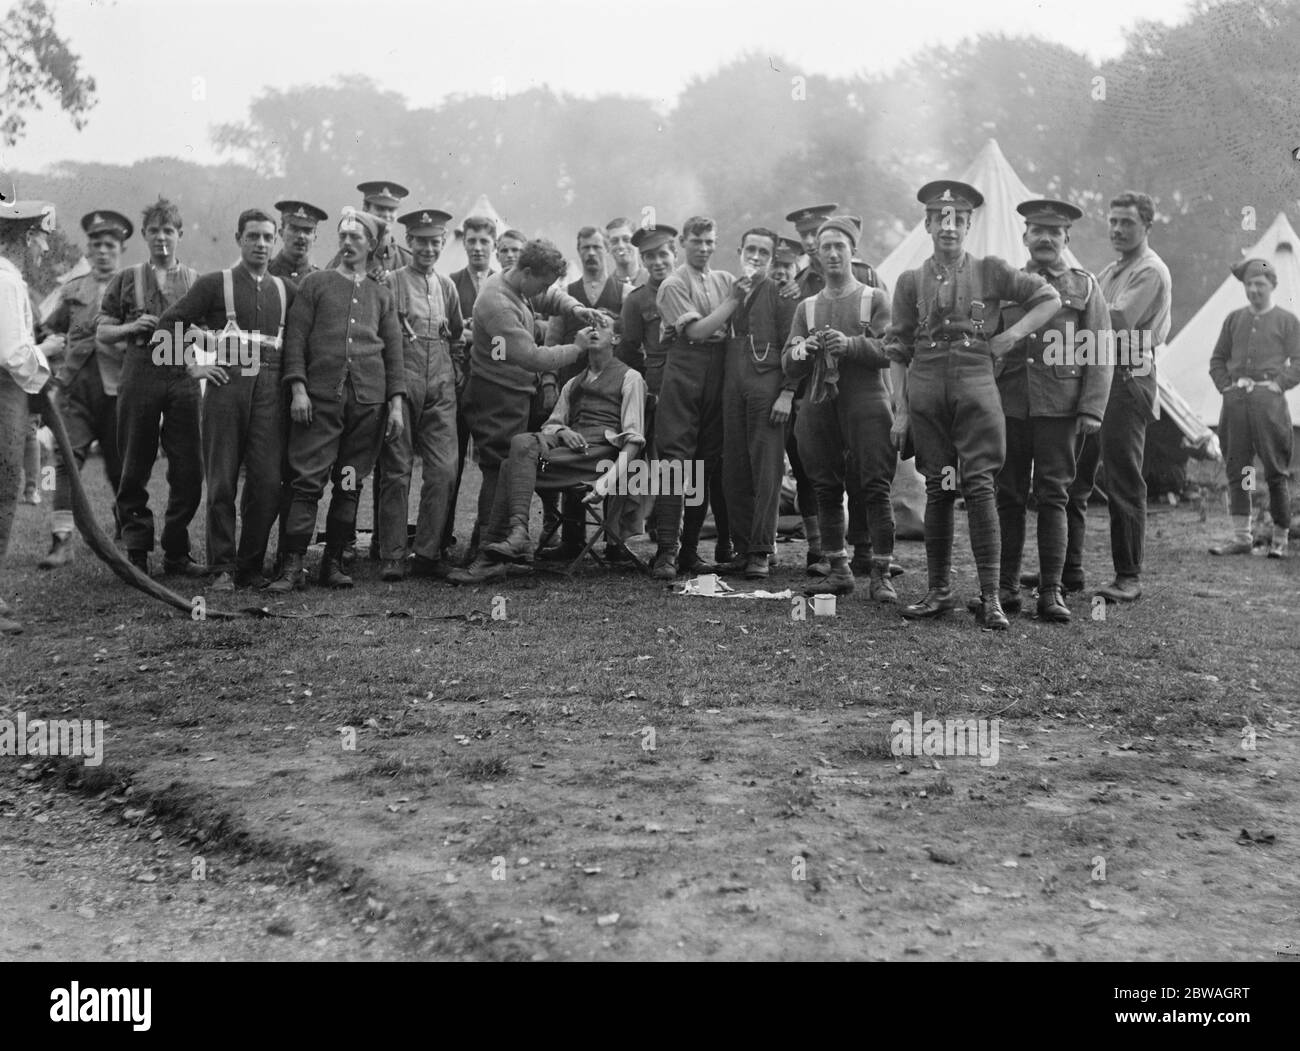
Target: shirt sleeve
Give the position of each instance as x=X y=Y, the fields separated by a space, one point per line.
x=19 y=355
x=1134 y=306
x=451 y=301
x=559 y=418
x=675 y=306
x=632 y=417
x=195 y=307
x=900 y=337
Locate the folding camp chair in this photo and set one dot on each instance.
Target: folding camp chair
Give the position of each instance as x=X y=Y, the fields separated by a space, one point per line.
x=590 y=515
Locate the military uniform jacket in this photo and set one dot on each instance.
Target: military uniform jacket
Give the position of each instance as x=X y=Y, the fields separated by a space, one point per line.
x=1064 y=368
x=76 y=317
x=282 y=268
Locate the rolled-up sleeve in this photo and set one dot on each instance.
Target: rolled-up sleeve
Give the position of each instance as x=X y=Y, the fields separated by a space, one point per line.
x=1134 y=305
x=675 y=305
x=632 y=418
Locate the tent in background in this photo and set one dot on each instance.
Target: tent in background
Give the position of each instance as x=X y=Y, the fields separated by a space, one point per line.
x=453 y=255
x=997 y=230
x=1185 y=359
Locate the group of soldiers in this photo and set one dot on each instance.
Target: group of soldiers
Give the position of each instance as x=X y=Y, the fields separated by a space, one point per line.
x=1000 y=381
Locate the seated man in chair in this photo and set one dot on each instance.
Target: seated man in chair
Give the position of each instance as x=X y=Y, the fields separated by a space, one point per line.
x=595 y=430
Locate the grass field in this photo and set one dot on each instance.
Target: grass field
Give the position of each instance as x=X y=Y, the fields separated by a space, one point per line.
x=613 y=771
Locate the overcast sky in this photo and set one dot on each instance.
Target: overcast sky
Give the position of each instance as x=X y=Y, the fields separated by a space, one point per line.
x=146 y=54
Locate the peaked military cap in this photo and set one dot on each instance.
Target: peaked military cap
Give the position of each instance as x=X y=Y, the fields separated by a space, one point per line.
x=1047 y=212
x=36 y=214
x=386 y=194
x=300 y=212
x=106 y=222
x=948 y=193
x=648 y=238
x=425 y=222
x=810 y=218
x=788 y=250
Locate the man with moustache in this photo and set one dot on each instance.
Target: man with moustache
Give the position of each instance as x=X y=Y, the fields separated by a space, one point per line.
x=298 y=221
x=381 y=198
x=241 y=313
x=429 y=312
x=1255 y=361
x=89 y=374
x=757 y=401
x=697 y=303
x=343 y=365
x=844 y=422
x=1054 y=387
x=942 y=361
x=155 y=401
x=1138 y=291
x=25 y=227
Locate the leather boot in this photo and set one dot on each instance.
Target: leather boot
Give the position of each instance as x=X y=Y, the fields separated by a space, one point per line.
x=936 y=602
x=880 y=587
x=517 y=546
x=60 y=552
x=480 y=571
x=1121 y=589
x=665 y=564
x=991 y=614
x=1009 y=600
x=839 y=582
x=331 y=570
x=292 y=577
x=1051 y=606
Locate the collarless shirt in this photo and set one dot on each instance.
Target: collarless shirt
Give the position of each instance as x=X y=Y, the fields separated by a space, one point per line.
x=1138 y=292
x=688 y=295
x=19 y=355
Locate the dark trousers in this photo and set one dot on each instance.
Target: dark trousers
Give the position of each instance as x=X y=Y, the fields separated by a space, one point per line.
x=844 y=436
x=688 y=426
x=1257 y=424
x=960 y=437
x=541 y=463
x=341 y=445
x=429 y=411
x=496 y=414
x=753 y=450
x=13 y=434
x=243 y=426
x=1045 y=447
x=1121 y=446
x=158 y=403
x=90 y=415
x=462 y=448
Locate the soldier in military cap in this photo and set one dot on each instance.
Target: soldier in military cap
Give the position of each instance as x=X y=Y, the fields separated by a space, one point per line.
x=785 y=262
x=1054 y=387
x=807 y=221
x=844 y=422
x=382 y=200
x=1255 y=361
x=428 y=309
x=90 y=371
x=298 y=221
x=942 y=362
x=343 y=365
x=25 y=227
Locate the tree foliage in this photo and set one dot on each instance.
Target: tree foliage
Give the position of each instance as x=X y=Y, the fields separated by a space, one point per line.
x=36 y=64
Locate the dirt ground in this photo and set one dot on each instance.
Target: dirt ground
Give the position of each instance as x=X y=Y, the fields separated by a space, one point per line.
x=616 y=772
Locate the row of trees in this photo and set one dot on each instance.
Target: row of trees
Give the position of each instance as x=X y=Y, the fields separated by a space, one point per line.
x=1201 y=115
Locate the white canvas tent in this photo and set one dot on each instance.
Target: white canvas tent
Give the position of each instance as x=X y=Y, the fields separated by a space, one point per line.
x=1185 y=359
x=997 y=230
